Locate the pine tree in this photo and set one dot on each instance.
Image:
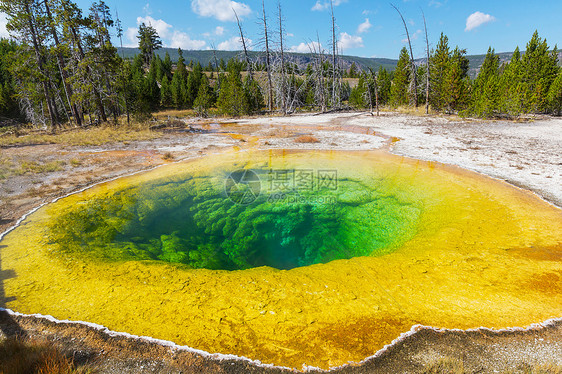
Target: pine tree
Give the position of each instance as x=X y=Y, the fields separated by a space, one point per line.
x=486 y=99
x=357 y=96
x=149 y=42
x=179 y=83
x=456 y=87
x=32 y=66
x=555 y=95
x=384 y=83
x=539 y=69
x=353 y=71
x=165 y=92
x=9 y=107
x=193 y=83
x=167 y=66
x=204 y=99
x=511 y=86
x=253 y=95
x=232 y=98
x=401 y=81
x=439 y=66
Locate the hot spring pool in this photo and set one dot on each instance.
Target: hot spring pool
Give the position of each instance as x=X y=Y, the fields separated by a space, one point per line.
x=290 y=258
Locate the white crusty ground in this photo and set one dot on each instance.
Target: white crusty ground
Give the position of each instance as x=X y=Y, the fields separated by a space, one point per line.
x=528 y=155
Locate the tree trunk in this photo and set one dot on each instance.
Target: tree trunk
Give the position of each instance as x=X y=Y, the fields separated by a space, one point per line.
x=414 y=83
x=335 y=102
x=283 y=77
x=427 y=67
x=267 y=61
x=97 y=95
x=40 y=63
x=244 y=46
x=61 y=64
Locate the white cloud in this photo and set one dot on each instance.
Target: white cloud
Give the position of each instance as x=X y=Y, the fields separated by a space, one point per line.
x=219 y=30
x=163 y=29
x=413 y=36
x=146 y=9
x=131 y=37
x=364 y=27
x=350 y=41
x=437 y=3
x=306 y=47
x=182 y=40
x=170 y=37
x=3 y=22
x=223 y=10
x=477 y=19
x=323 y=5
x=234 y=44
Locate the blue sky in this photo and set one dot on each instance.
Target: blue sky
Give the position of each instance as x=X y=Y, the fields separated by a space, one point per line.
x=365 y=28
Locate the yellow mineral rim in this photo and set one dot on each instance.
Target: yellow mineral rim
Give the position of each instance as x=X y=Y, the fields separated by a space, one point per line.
x=479 y=253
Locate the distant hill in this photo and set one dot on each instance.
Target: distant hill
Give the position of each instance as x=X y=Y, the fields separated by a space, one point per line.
x=303 y=59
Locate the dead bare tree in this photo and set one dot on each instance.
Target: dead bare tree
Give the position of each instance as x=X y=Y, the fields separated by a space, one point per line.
x=426 y=66
x=243 y=41
x=120 y=36
x=376 y=87
x=319 y=92
x=413 y=82
x=335 y=95
x=216 y=65
x=263 y=21
x=282 y=55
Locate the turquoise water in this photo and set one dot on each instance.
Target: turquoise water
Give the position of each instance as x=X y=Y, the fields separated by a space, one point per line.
x=228 y=223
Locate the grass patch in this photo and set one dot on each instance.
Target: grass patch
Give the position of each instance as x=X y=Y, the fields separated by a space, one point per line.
x=450 y=365
x=33 y=167
x=168 y=156
x=93 y=136
x=445 y=366
x=175 y=113
x=17 y=356
x=10 y=168
x=306 y=139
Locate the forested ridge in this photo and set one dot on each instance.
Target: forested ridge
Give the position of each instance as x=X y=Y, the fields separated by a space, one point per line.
x=61 y=67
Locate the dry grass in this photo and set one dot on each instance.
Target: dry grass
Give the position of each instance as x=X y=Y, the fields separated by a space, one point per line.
x=540 y=369
x=411 y=110
x=34 y=167
x=166 y=114
x=445 y=366
x=93 y=136
x=168 y=156
x=450 y=365
x=10 y=168
x=306 y=139
x=17 y=356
